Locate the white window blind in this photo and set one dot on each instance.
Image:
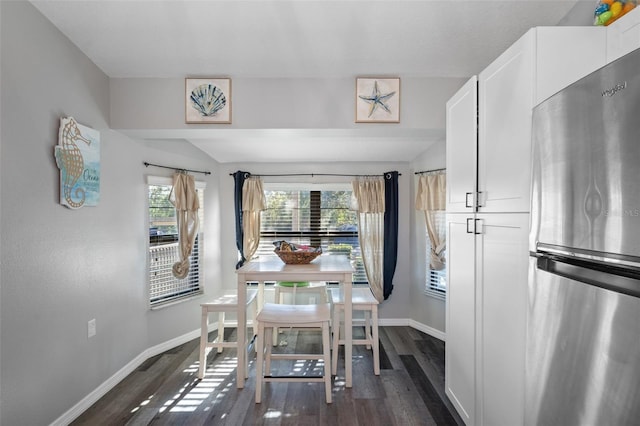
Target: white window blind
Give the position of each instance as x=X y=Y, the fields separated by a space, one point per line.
x=319 y=217
x=163 y=246
x=436 y=282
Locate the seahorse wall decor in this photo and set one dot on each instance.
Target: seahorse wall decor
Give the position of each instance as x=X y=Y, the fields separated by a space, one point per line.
x=78 y=158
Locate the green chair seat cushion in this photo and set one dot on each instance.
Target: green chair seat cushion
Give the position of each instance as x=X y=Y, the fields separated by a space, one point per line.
x=293 y=284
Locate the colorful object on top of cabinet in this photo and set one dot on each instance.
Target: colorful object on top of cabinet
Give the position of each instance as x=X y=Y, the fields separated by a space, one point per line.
x=608 y=11
x=78 y=158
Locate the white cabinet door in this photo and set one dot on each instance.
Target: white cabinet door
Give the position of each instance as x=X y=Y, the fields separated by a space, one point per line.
x=462 y=134
x=505 y=100
x=623 y=36
x=566 y=54
x=501 y=285
x=461 y=316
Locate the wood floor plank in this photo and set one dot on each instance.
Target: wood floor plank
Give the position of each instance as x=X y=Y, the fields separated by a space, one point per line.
x=407 y=407
x=165 y=390
x=401 y=340
x=390 y=350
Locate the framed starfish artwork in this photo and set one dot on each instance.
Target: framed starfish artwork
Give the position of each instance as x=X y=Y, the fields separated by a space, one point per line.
x=377 y=100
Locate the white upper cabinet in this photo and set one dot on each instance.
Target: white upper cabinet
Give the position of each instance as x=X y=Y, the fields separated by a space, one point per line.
x=540 y=63
x=623 y=36
x=462 y=131
x=505 y=92
x=489 y=118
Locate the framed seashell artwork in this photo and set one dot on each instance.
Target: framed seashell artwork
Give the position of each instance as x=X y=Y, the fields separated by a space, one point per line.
x=377 y=100
x=208 y=100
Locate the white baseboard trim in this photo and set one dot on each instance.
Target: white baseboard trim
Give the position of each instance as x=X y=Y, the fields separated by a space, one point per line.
x=84 y=404
x=400 y=322
x=428 y=330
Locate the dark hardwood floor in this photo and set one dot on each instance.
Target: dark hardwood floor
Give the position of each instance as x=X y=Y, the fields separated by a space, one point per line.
x=164 y=390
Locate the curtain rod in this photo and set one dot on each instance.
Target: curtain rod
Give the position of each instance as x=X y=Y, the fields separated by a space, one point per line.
x=429 y=171
x=177 y=169
x=315 y=174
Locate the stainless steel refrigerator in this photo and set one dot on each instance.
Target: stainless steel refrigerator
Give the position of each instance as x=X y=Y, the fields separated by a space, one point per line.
x=583 y=319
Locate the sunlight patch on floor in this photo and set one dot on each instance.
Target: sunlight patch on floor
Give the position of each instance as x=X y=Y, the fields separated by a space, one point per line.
x=272 y=414
x=142 y=404
x=188 y=400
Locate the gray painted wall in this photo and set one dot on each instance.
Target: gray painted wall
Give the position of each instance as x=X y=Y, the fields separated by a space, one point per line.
x=62 y=267
x=272 y=103
x=580 y=14
x=425 y=309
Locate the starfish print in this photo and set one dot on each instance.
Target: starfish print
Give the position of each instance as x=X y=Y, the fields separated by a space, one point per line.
x=377 y=99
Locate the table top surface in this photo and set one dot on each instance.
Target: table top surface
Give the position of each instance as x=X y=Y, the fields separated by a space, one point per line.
x=325 y=263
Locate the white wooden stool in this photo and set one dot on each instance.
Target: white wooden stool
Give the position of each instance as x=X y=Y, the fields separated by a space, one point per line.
x=299 y=316
x=362 y=300
x=282 y=287
x=222 y=305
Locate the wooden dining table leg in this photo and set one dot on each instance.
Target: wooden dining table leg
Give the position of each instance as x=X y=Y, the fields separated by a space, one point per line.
x=348 y=331
x=242 y=331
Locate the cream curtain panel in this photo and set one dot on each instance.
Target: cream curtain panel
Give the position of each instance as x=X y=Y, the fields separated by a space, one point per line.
x=431 y=198
x=253 y=202
x=184 y=197
x=368 y=201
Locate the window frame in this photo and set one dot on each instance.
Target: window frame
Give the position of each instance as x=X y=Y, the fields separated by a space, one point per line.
x=152 y=180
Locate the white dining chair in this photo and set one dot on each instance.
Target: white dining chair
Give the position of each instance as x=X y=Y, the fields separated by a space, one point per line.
x=227 y=303
x=299 y=316
x=362 y=300
x=282 y=288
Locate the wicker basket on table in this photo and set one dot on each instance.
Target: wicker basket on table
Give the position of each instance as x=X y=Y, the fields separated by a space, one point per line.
x=297 y=257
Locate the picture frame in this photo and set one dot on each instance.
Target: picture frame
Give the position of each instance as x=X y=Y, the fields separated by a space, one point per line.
x=208 y=100
x=377 y=100
x=77 y=156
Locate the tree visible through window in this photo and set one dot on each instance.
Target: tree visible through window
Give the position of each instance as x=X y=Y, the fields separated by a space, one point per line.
x=320 y=218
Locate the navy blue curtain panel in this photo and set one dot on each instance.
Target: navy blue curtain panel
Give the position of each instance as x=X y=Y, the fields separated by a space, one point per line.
x=239 y=178
x=390 y=231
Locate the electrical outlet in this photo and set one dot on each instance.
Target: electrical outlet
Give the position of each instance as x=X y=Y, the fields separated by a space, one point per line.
x=312 y=300
x=91 y=328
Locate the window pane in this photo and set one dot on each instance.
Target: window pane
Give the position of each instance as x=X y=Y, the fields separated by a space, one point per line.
x=317 y=218
x=162 y=215
x=163 y=250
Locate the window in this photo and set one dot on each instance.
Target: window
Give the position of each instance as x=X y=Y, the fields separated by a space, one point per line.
x=163 y=246
x=317 y=215
x=436 y=283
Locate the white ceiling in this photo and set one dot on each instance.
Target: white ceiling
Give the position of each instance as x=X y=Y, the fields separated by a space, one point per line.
x=298 y=39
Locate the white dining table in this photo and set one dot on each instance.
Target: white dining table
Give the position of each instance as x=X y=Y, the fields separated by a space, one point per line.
x=327 y=267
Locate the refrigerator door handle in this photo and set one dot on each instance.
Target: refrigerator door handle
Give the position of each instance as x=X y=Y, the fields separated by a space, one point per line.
x=614 y=278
